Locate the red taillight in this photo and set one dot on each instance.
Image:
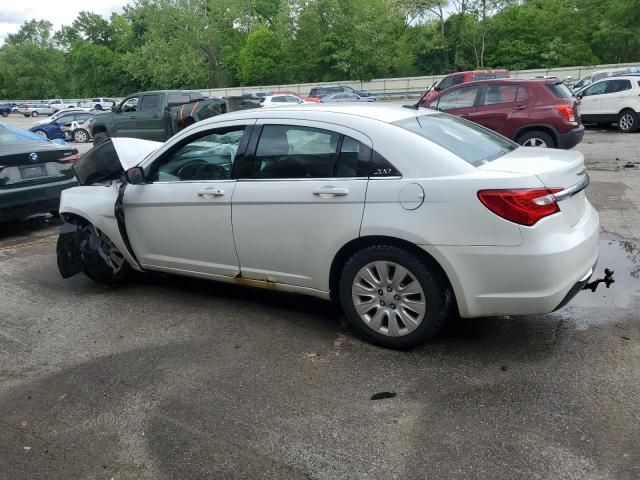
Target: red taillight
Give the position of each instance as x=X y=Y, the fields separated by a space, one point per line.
x=567 y=112
x=522 y=206
x=69 y=159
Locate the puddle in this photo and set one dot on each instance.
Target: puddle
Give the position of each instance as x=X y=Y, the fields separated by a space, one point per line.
x=622 y=256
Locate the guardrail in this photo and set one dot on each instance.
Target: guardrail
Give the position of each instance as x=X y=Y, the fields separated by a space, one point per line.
x=408 y=86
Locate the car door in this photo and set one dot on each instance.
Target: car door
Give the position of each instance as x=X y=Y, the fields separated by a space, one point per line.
x=180 y=219
x=149 y=122
x=460 y=101
x=125 y=118
x=591 y=102
x=502 y=106
x=302 y=199
x=615 y=98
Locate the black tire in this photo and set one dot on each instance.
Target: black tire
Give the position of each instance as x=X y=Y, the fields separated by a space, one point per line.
x=628 y=121
x=81 y=135
x=97 y=106
x=533 y=135
x=94 y=254
x=437 y=293
x=34 y=114
x=5 y=114
x=99 y=138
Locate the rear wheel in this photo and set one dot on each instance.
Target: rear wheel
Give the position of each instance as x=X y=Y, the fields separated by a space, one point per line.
x=41 y=133
x=99 y=138
x=628 y=121
x=81 y=136
x=537 y=138
x=34 y=114
x=393 y=298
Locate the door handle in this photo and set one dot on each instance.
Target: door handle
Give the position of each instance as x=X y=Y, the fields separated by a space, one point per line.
x=211 y=192
x=132 y=117
x=329 y=190
x=520 y=107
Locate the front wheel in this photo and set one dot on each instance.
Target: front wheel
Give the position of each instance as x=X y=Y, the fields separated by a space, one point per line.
x=34 y=114
x=41 y=133
x=537 y=138
x=102 y=261
x=393 y=298
x=80 y=136
x=628 y=121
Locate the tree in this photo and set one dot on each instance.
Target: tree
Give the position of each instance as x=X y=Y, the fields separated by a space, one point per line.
x=259 y=59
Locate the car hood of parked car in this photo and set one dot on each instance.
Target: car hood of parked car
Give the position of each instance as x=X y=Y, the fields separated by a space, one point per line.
x=109 y=159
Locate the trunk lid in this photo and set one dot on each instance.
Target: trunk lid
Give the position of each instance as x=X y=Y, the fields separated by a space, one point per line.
x=554 y=168
x=34 y=163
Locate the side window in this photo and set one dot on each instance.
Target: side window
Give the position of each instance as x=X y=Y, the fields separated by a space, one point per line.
x=500 y=94
x=203 y=157
x=292 y=99
x=149 y=103
x=178 y=98
x=130 y=104
x=457 y=80
x=460 y=98
x=353 y=159
x=279 y=100
x=522 y=94
x=380 y=167
x=96 y=100
x=597 y=89
x=295 y=152
x=618 y=86
x=445 y=83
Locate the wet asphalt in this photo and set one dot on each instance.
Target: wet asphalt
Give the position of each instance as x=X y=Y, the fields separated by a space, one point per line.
x=171 y=378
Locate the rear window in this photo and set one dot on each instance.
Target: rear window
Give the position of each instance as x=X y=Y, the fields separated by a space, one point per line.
x=560 y=90
x=474 y=144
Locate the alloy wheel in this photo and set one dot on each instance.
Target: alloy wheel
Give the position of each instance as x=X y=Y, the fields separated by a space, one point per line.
x=80 y=136
x=388 y=298
x=626 y=121
x=41 y=133
x=534 y=142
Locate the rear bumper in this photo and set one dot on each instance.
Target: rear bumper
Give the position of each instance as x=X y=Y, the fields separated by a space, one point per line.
x=22 y=202
x=533 y=278
x=571 y=139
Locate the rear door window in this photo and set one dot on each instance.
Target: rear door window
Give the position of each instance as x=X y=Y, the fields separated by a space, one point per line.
x=500 y=94
x=615 y=86
x=469 y=141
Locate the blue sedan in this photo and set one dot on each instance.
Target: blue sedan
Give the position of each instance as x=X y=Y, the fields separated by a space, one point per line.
x=52 y=128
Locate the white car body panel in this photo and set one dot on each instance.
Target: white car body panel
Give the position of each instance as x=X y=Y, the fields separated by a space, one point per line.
x=277 y=233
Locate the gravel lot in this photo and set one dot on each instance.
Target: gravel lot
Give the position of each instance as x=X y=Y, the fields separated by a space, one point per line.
x=181 y=378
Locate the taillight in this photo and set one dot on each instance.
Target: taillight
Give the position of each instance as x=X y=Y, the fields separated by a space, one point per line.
x=567 y=112
x=70 y=159
x=521 y=206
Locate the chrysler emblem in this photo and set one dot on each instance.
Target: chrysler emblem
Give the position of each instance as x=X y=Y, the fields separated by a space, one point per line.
x=33 y=156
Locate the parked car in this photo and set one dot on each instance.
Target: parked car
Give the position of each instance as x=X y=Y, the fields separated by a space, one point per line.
x=402 y=215
x=288 y=92
x=602 y=74
x=33 y=172
x=612 y=100
x=79 y=130
x=99 y=103
x=59 y=114
x=59 y=104
x=5 y=109
x=320 y=92
x=161 y=114
x=56 y=128
x=533 y=113
x=346 y=97
x=280 y=100
x=460 y=78
x=35 y=109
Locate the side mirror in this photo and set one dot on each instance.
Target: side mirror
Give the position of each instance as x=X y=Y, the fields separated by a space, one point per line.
x=135 y=175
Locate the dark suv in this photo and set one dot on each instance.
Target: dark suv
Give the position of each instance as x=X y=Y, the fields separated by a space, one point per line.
x=534 y=113
x=320 y=92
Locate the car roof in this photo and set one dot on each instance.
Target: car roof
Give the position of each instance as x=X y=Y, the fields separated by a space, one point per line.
x=625 y=76
x=373 y=111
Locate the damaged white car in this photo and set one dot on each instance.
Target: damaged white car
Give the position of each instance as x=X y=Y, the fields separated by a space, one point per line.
x=404 y=216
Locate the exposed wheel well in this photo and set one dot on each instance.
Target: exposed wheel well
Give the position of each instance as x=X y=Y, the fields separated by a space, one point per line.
x=348 y=250
x=99 y=129
x=536 y=128
x=626 y=109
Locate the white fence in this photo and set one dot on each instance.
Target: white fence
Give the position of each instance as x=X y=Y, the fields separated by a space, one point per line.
x=407 y=84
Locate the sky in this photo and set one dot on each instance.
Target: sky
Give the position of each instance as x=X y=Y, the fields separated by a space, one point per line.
x=59 y=12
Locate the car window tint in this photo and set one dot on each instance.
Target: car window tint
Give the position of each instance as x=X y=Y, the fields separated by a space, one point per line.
x=522 y=94
x=295 y=152
x=596 y=89
x=460 y=98
x=130 y=105
x=445 y=83
x=618 y=86
x=457 y=80
x=500 y=94
x=381 y=167
x=150 y=103
x=178 y=98
x=208 y=157
x=353 y=159
x=279 y=100
x=469 y=141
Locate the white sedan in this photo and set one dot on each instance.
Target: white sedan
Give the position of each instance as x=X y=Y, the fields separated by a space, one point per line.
x=404 y=216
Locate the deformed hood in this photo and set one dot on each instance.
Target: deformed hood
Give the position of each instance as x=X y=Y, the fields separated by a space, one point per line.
x=109 y=159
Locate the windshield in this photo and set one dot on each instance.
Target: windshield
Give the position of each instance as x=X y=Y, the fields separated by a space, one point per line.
x=474 y=144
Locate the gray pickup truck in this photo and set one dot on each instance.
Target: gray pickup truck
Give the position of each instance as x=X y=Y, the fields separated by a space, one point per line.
x=160 y=114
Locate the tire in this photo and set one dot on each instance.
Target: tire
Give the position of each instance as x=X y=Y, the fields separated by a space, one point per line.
x=80 y=135
x=406 y=327
x=34 y=114
x=99 y=138
x=97 y=106
x=41 y=133
x=537 y=138
x=5 y=114
x=97 y=250
x=628 y=121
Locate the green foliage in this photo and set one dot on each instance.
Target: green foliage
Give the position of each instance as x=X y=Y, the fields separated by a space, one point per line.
x=212 y=43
